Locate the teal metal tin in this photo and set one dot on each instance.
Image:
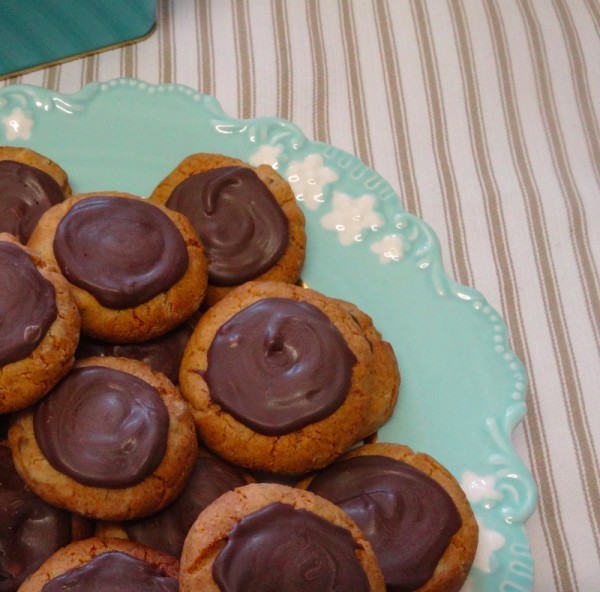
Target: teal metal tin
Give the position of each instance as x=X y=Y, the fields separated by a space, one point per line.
x=35 y=33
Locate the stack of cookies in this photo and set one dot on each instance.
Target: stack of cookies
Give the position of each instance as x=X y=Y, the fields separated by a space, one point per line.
x=185 y=414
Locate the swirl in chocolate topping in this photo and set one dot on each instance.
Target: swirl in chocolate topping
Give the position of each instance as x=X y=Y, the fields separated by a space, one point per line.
x=30 y=529
x=243 y=229
x=279 y=365
x=26 y=192
x=167 y=529
x=27 y=304
x=113 y=571
x=123 y=251
x=407 y=517
x=102 y=427
x=282 y=548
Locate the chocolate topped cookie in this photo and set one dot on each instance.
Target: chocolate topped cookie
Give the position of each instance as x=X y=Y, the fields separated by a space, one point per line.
x=259 y=539
x=411 y=510
x=136 y=269
x=110 y=565
x=108 y=571
x=278 y=378
x=30 y=529
x=113 y=440
x=162 y=353
x=247 y=219
x=166 y=530
x=39 y=326
x=30 y=184
x=272 y=537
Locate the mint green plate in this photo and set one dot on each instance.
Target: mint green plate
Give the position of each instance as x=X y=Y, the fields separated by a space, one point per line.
x=463 y=390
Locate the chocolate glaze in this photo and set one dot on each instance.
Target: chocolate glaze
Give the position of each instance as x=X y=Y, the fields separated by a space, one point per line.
x=27 y=304
x=279 y=365
x=122 y=251
x=113 y=571
x=407 y=517
x=102 y=427
x=163 y=353
x=166 y=530
x=30 y=529
x=282 y=548
x=26 y=192
x=242 y=227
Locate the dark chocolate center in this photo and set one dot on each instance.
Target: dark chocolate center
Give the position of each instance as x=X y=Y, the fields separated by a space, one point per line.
x=27 y=304
x=243 y=229
x=122 y=251
x=282 y=548
x=102 y=427
x=407 y=517
x=279 y=365
x=113 y=571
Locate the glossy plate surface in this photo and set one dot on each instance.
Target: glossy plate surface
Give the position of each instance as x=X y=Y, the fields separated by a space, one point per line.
x=463 y=389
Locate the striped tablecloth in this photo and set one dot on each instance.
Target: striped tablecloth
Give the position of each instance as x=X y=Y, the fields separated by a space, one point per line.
x=484 y=116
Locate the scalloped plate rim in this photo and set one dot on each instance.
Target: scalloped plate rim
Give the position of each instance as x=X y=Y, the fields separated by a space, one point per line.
x=514 y=413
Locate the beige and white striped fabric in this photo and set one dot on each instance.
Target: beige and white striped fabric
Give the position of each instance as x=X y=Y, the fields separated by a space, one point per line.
x=484 y=115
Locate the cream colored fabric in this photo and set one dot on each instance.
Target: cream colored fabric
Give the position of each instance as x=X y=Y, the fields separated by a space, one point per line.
x=484 y=116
